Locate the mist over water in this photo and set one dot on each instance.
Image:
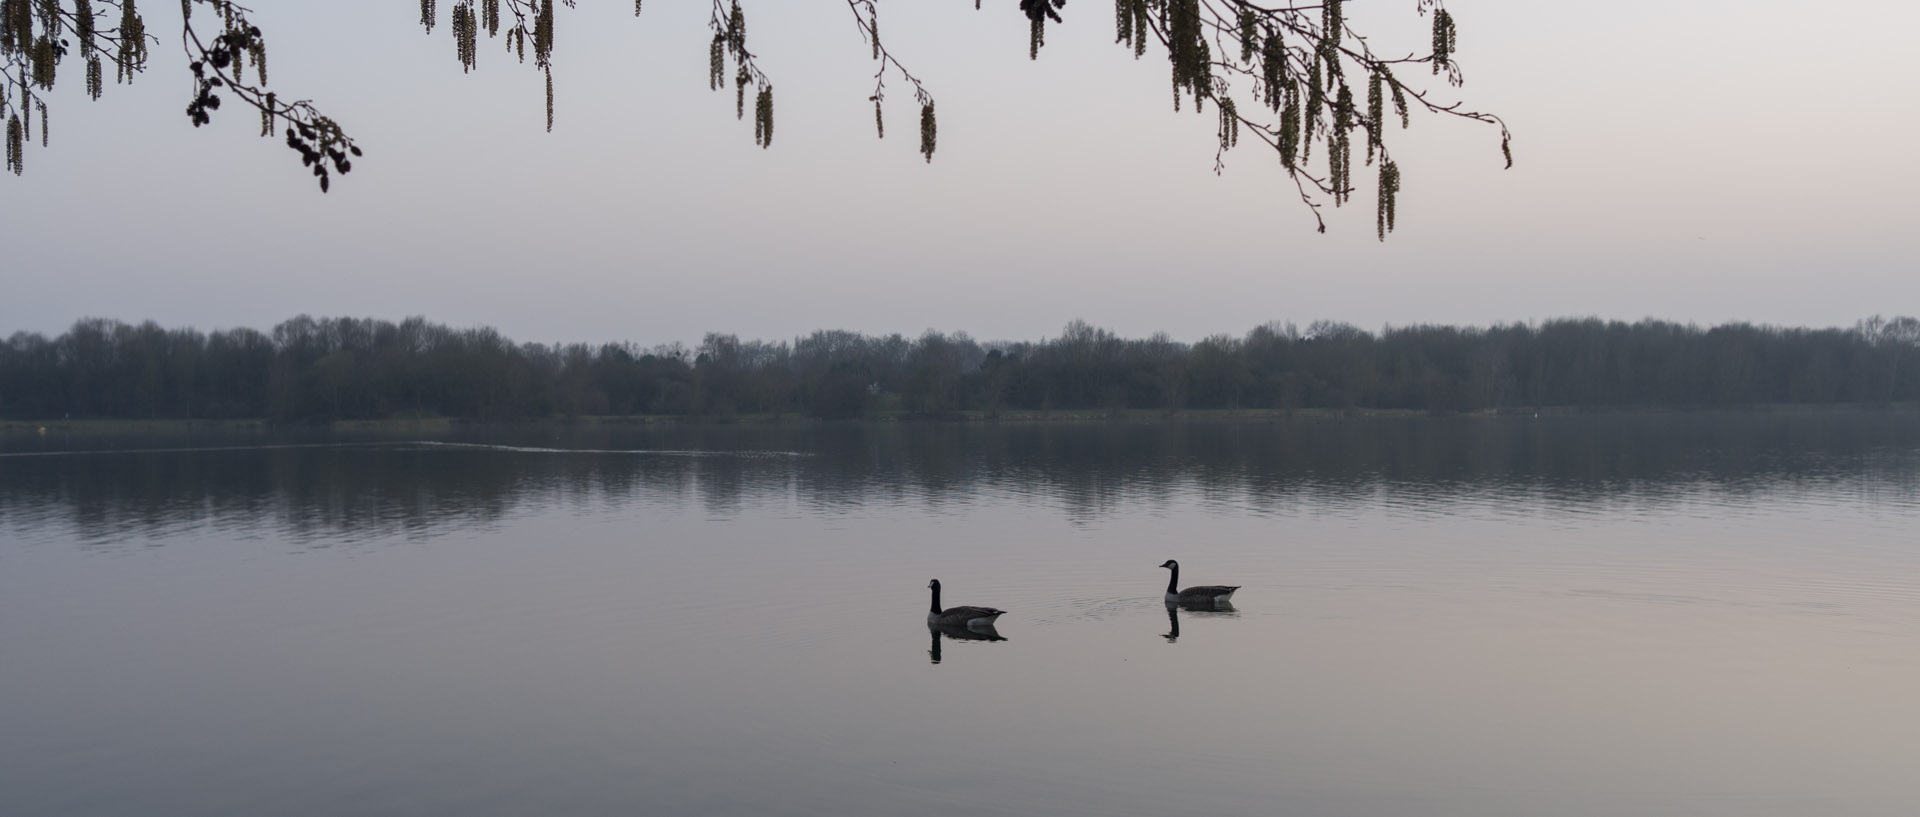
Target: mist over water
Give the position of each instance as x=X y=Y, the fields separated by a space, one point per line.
x=1679 y=614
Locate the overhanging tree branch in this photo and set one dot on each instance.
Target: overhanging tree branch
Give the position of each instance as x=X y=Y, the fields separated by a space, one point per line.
x=1285 y=73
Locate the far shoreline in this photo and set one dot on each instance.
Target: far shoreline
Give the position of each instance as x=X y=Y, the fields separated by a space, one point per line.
x=1018 y=417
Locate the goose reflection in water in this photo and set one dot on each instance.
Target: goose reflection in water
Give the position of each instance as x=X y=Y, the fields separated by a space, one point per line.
x=959 y=632
x=1206 y=607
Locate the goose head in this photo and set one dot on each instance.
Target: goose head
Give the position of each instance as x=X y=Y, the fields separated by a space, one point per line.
x=933 y=585
x=1171 y=564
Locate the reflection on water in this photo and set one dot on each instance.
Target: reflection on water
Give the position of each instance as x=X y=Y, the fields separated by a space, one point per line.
x=983 y=632
x=1576 y=616
x=1202 y=607
x=366 y=488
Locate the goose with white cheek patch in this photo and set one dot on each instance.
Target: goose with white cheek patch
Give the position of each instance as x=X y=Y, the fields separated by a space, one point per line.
x=1202 y=594
x=964 y=616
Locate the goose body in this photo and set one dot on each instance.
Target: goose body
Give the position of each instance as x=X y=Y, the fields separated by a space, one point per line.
x=963 y=616
x=1209 y=594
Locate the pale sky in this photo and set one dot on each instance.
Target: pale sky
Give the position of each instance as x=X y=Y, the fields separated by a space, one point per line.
x=1694 y=160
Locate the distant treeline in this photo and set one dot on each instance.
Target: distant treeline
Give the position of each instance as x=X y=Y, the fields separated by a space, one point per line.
x=316 y=369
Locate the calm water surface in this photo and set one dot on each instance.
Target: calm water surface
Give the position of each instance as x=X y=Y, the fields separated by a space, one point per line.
x=1692 y=615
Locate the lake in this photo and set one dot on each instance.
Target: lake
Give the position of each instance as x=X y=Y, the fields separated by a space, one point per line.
x=1695 y=614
